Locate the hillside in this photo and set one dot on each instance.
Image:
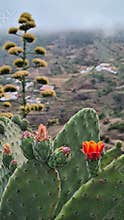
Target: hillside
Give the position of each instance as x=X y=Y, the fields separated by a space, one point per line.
x=73 y=58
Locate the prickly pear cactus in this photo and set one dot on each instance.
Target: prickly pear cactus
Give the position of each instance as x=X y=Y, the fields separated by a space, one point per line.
x=11 y=134
x=32 y=193
x=7 y=167
x=22 y=123
x=100 y=198
x=112 y=154
x=83 y=126
x=4 y=177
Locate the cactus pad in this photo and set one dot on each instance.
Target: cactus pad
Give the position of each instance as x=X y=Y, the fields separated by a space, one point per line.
x=12 y=135
x=83 y=126
x=100 y=197
x=32 y=193
x=4 y=176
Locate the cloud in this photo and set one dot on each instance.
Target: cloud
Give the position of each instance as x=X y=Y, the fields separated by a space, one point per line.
x=65 y=14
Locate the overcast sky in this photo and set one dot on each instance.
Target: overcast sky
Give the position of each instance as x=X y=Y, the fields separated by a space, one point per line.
x=64 y=14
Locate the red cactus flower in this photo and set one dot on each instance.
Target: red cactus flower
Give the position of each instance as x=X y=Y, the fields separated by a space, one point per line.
x=42 y=133
x=65 y=150
x=92 y=150
x=6 y=149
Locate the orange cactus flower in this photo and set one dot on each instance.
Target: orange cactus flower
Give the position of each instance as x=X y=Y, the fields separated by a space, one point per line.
x=6 y=149
x=92 y=150
x=42 y=133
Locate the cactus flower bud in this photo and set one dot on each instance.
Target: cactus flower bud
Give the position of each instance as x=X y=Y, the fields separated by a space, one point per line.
x=7 y=156
x=42 y=150
x=13 y=162
x=13 y=165
x=59 y=157
x=65 y=150
x=27 y=134
x=6 y=149
x=42 y=133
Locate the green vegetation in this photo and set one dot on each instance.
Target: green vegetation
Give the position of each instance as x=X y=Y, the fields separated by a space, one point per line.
x=42 y=187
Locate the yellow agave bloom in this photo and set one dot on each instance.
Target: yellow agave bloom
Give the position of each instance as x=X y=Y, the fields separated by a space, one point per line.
x=8 y=45
x=22 y=20
x=42 y=80
x=48 y=92
x=20 y=74
x=37 y=107
x=10 y=88
x=26 y=26
x=40 y=50
x=12 y=30
x=33 y=107
x=29 y=37
x=19 y=62
x=5 y=69
x=2 y=94
x=15 y=50
x=6 y=114
x=26 y=21
x=25 y=15
x=7 y=104
x=1 y=89
x=39 y=62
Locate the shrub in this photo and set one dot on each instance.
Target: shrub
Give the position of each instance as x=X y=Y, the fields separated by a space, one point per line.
x=101 y=115
x=119 y=125
x=53 y=121
x=105 y=138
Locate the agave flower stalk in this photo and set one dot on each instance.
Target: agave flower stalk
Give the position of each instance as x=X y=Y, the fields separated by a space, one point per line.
x=26 y=22
x=23 y=81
